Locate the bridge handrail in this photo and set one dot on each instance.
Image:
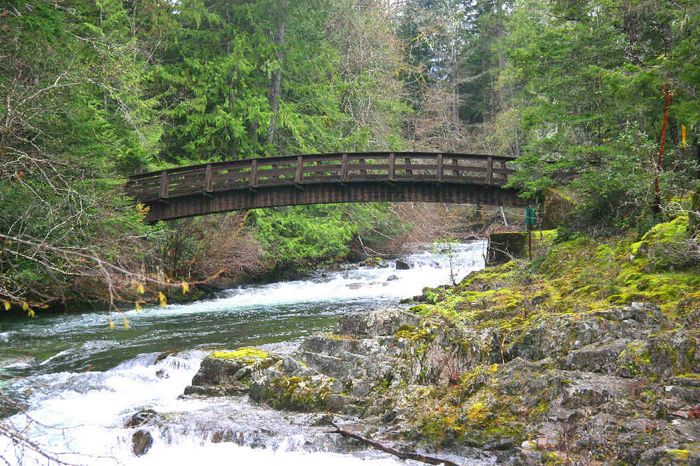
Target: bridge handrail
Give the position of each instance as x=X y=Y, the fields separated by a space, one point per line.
x=320 y=168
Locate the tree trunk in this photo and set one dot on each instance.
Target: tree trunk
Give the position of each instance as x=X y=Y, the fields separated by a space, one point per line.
x=276 y=85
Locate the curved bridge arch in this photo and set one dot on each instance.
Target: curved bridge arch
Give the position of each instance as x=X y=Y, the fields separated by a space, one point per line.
x=324 y=179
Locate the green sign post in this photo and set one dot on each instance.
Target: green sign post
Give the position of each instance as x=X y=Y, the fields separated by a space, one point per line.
x=530 y=220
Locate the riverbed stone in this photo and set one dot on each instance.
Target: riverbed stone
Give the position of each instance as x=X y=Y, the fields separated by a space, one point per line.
x=141 y=442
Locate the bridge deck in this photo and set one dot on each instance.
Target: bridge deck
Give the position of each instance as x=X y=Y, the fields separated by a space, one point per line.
x=348 y=177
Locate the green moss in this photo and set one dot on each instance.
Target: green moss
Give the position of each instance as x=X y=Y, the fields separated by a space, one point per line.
x=635 y=358
x=413 y=333
x=337 y=337
x=247 y=355
x=679 y=455
x=477 y=413
x=298 y=393
x=553 y=458
x=674 y=230
x=690 y=376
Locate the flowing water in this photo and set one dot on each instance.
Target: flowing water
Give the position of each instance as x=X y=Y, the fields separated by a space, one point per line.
x=81 y=380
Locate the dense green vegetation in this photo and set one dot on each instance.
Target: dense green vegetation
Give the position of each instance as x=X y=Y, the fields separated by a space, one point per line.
x=95 y=91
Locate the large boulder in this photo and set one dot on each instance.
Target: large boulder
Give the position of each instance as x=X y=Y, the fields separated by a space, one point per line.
x=338 y=371
x=225 y=373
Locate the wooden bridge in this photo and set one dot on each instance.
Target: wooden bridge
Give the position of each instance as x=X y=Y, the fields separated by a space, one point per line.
x=324 y=179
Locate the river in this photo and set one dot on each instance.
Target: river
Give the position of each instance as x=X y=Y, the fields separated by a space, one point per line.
x=81 y=380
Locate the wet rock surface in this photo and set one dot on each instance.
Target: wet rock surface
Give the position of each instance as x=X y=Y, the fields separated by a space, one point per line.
x=142 y=418
x=578 y=388
x=141 y=442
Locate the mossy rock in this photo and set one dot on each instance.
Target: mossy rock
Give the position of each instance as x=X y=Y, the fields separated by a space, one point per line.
x=295 y=393
x=229 y=372
x=557 y=206
x=246 y=355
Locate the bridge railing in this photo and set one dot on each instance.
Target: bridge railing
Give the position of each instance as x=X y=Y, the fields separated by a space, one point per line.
x=321 y=168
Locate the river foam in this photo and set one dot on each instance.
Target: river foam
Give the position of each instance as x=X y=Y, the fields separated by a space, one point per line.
x=77 y=412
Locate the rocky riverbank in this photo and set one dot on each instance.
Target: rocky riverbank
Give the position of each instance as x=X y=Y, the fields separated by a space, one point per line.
x=588 y=355
x=569 y=392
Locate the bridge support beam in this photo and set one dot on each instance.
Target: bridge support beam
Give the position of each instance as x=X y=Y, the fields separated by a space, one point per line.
x=331 y=193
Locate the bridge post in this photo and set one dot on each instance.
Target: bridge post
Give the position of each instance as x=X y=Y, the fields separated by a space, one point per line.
x=208 y=180
x=409 y=170
x=300 y=167
x=392 y=165
x=254 y=173
x=439 y=168
x=163 y=194
x=344 y=168
x=489 y=170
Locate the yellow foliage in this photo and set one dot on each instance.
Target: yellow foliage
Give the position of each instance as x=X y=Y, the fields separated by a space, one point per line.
x=31 y=313
x=142 y=209
x=111 y=324
x=138 y=307
x=6 y=305
x=139 y=288
x=162 y=299
x=25 y=306
x=126 y=323
x=185 y=288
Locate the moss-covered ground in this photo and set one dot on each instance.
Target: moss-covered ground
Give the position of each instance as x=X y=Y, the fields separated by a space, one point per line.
x=578 y=275
x=572 y=277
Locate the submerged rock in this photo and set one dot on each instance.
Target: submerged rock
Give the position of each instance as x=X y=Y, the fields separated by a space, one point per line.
x=141 y=442
x=141 y=418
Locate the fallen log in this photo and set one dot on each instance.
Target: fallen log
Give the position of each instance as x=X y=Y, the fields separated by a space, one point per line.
x=404 y=455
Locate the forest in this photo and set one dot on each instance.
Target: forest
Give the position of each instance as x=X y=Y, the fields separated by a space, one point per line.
x=598 y=99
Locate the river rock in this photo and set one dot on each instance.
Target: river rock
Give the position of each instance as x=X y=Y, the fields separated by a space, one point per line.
x=141 y=442
x=381 y=323
x=224 y=373
x=402 y=265
x=141 y=418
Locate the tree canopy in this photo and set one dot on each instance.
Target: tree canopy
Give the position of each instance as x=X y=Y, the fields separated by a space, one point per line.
x=582 y=92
